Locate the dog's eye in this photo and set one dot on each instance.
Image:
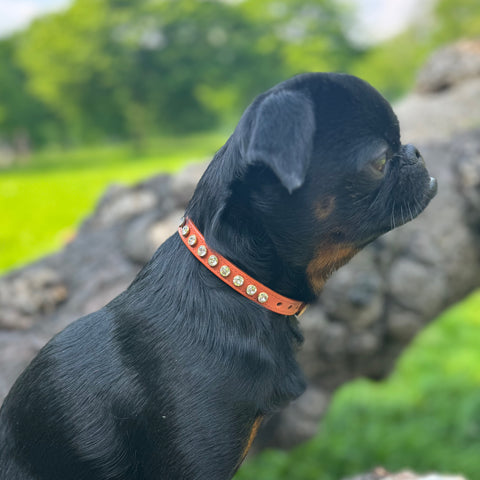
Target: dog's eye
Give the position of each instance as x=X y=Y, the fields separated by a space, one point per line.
x=379 y=164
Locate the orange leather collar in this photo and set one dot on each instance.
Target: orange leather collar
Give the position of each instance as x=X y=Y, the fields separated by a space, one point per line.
x=233 y=276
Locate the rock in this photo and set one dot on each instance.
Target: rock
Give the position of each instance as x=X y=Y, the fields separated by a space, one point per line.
x=447 y=88
x=184 y=183
x=120 y=203
x=25 y=298
x=136 y=243
x=299 y=422
x=403 y=324
x=416 y=287
x=467 y=169
x=382 y=474
x=16 y=350
x=355 y=295
x=450 y=66
x=147 y=233
x=160 y=231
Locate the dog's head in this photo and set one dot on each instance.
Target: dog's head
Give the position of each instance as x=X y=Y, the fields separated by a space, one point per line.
x=317 y=169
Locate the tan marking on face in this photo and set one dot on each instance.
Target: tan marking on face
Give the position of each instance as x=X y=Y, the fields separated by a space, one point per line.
x=327 y=259
x=324 y=208
x=251 y=438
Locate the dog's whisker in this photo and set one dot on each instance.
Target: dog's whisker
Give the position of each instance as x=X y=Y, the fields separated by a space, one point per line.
x=376 y=199
x=410 y=212
x=392 y=222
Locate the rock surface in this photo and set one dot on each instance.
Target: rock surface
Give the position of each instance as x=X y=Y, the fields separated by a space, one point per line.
x=381 y=474
x=369 y=311
x=445 y=100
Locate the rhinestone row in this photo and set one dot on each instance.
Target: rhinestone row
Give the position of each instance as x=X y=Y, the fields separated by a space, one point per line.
x=238 y=280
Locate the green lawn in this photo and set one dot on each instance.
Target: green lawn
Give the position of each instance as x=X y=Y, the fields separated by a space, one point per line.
x=426 y=416
x=42 y=202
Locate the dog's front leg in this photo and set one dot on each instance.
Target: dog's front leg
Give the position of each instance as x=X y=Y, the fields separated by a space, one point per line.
x=211 y=448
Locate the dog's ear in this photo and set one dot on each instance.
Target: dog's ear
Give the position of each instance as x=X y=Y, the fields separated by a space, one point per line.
x=282 y=136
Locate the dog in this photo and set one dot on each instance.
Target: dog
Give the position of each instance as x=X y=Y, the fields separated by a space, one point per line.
x=172 y=379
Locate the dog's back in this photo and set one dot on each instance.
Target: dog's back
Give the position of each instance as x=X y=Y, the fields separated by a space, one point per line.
x=63 y=413
x=72 y=412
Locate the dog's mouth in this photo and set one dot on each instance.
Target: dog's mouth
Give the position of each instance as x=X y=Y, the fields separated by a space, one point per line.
x=402 y=211
x=405 y=211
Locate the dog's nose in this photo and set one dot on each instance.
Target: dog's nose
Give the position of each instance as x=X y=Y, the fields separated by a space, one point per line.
x=412 y=155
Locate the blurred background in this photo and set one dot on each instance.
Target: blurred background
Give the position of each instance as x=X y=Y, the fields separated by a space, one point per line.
x=100 y=91
x=118 y=89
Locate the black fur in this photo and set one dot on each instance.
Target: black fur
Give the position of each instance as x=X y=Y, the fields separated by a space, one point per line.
x=167 y=380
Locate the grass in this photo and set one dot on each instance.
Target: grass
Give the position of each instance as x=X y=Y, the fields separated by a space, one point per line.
x=42 y=202
x=426 y=416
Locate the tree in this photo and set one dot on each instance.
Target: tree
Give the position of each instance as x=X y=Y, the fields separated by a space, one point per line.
x=456 y=19
x=117 y=67
x=20 y=112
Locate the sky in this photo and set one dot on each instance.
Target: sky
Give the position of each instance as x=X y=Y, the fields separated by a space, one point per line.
x=378 y=19
x=381 y=19
x=17 y=14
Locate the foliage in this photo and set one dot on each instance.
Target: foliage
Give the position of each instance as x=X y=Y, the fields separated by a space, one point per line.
x=20 y=111
x=115 y=68
x=120 y=68
x=392 y=65
x=309 y=35
x=425 y=417
x=456 y=19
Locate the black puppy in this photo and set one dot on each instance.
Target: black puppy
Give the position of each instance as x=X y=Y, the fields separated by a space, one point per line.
x=172 y=378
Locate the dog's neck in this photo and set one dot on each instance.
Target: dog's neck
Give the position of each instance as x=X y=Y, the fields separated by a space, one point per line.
x=248 y=247
x=234 y=277
x=223 y=213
